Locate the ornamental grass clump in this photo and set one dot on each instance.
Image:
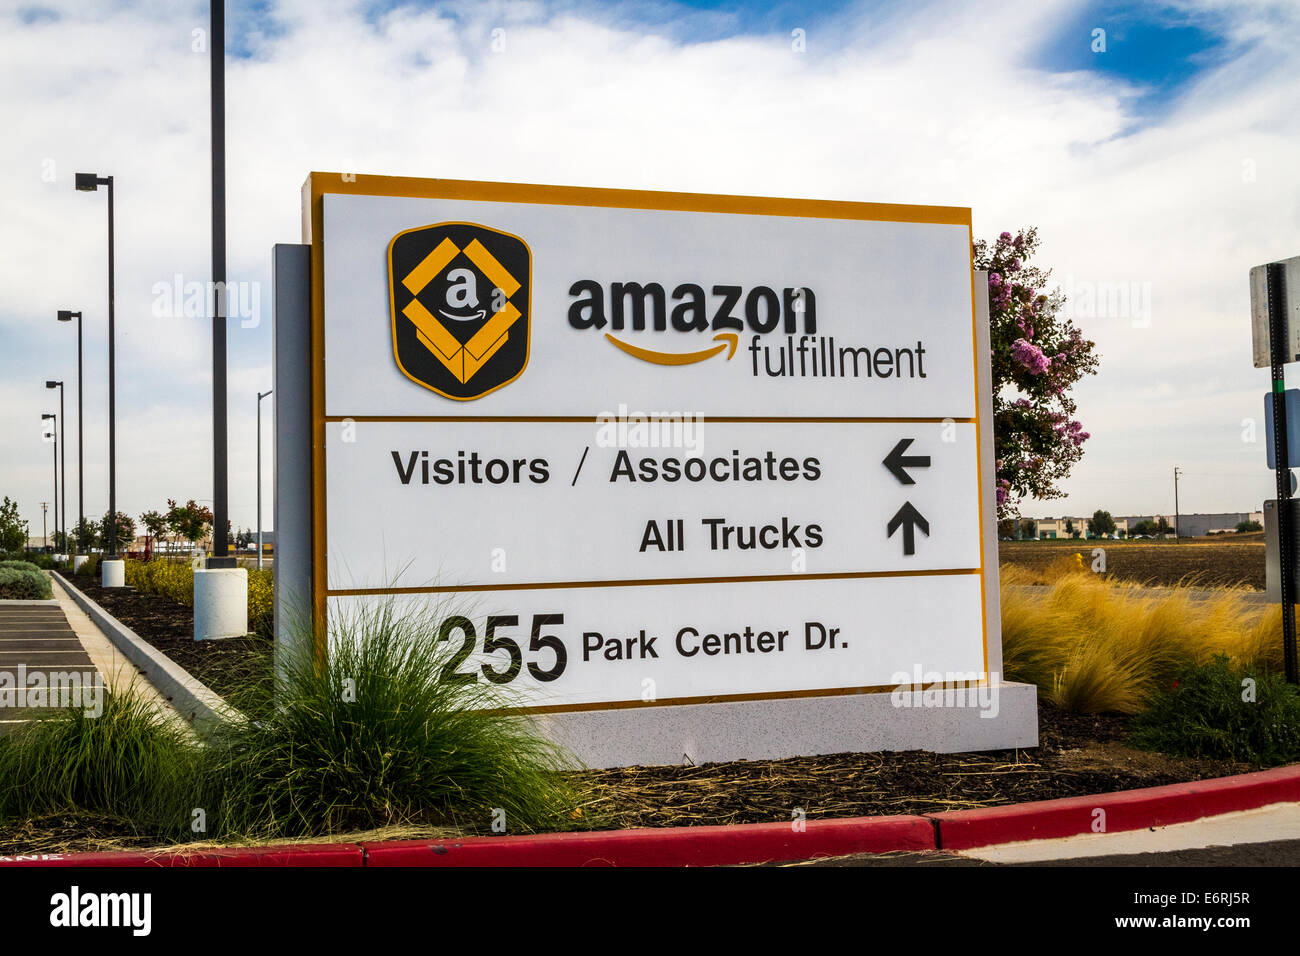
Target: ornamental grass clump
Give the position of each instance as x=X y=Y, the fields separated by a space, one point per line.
x=128 y=762
x=1095 y=645
x=383 y=732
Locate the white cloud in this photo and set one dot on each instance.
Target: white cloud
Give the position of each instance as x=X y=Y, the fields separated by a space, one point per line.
x=933 y=104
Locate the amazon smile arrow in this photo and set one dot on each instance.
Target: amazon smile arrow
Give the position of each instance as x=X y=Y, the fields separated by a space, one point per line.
x=729 y=340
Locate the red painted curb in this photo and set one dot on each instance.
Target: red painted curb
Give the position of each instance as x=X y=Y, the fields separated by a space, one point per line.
x=325 y=854
x=1124 y=810
x=676 y=846
x=752 y=842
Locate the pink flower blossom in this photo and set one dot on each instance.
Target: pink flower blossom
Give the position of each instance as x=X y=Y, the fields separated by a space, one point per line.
x=1030 y=356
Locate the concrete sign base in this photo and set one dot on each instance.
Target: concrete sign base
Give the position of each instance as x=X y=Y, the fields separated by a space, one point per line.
x=999 y=716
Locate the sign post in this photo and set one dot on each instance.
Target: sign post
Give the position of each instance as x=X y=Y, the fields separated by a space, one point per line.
x=685 y=475
x=1269 y=296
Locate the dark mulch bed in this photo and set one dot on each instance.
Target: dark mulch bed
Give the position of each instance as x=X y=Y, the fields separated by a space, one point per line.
x=222 y=665
x=1078 y=754
x=72 y=833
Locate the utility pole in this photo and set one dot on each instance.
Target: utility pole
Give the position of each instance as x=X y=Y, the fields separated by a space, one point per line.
x=1177 y=472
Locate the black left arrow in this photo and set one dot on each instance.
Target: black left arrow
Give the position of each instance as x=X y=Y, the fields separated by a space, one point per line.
x=896 y=461
x=910 y=519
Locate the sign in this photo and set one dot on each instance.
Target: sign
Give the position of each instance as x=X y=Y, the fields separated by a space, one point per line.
x=650 y=448
x=1291 y=312
x=1273 y=549
x=1291 y=397
x=1275 y=325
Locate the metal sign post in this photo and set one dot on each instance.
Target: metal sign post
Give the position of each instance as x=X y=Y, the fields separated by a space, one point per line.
x=1278 y=356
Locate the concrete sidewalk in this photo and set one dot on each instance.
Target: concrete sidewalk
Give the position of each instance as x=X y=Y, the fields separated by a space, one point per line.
x=38 y=649
x=1265 y=825
x=50 y=644
x=119 y=673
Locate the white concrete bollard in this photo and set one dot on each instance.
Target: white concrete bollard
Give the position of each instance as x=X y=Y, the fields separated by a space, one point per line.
x=113 y=573
x=78 y=560
x=220 y=603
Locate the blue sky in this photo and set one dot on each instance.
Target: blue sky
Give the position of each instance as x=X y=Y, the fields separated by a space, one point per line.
x=1167 y=160
x=1158 y=48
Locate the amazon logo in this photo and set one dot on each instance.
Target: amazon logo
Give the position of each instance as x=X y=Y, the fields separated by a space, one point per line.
x=725 y=310
x=459 y=303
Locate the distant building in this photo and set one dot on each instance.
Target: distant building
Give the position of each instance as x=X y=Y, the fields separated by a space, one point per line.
x=1189 y=526
x=1055 y=527
x=1200 y=525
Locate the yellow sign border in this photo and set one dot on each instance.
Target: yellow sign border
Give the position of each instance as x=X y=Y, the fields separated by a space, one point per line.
x=319 y=184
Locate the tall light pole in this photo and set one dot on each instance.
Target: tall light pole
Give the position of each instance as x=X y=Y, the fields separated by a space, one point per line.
x=220 y=509
x=63 y=461
x=54 y=432
x=260 y=396
x=1177 y=472
x=45 y=535
x=90 y=182
x=67 y=316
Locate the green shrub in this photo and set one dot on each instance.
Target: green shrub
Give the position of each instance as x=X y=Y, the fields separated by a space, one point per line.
x=261 y=593
x=23 y=582
x=173 y=580
x=91 y=566
x=1205 y=715
x=376 y=737
x=42 y=561
x=127 y=762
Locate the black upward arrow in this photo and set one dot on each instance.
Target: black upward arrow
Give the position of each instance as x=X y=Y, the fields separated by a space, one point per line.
x=910 y=519
x=896 y=461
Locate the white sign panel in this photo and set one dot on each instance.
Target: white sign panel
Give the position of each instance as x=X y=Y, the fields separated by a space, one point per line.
x=547 y=503
x=729 y=447
x=1259 y=312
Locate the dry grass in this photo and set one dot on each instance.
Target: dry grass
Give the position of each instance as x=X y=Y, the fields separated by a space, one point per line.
x=1097 y=645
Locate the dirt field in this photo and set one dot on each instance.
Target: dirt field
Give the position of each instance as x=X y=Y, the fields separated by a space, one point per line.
x=1226 y=561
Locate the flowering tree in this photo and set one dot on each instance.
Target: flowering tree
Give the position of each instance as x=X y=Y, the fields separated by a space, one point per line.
x=1038 y=356
x=190 y=521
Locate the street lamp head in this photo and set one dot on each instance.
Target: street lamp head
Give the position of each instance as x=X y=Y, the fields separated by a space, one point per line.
x=53 y=384
x=87 y=182
x=67 y=316
x=47 y=415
